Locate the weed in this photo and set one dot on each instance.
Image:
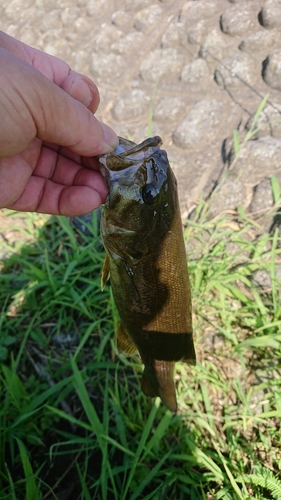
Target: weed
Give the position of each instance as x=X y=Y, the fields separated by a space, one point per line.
x=72 y=416
x=83 y=405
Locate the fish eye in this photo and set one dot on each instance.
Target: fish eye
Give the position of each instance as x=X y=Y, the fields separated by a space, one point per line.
x=149 y=193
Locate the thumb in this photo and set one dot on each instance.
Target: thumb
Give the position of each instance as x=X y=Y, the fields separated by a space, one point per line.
x=36 y=107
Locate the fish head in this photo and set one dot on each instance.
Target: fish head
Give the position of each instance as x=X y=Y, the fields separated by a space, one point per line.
x=138 y=209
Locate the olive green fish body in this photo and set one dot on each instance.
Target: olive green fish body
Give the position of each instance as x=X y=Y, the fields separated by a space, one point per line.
x=142 y=234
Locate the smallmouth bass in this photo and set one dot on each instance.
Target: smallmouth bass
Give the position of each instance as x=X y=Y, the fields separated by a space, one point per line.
x=146 y=260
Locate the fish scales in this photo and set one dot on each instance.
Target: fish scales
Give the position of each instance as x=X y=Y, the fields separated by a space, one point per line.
x=146 y=260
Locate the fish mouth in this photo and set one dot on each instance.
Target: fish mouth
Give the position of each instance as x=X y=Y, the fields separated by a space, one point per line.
x=128 y=154
x=128 y=148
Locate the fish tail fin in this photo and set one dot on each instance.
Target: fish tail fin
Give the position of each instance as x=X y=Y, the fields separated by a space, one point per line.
x=158 y=380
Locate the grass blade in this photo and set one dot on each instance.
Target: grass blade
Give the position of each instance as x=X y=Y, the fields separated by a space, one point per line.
x=32 y=492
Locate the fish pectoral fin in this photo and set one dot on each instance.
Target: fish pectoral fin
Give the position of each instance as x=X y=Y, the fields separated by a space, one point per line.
x=105 y=272
x=124 y=343
x=112 y=229
x=158 y=380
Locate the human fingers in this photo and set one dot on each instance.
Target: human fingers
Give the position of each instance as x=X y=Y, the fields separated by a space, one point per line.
x=34 y=106
x=78 y=86
x=86 y=161
x=45 y=196
x=83 y=89
x=47 y=164
x=69 y=171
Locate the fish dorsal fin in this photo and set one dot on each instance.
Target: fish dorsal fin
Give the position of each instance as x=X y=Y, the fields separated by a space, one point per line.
x=105 y=272
x=124 y=343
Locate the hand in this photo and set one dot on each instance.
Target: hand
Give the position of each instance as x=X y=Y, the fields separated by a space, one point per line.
x=48 y=134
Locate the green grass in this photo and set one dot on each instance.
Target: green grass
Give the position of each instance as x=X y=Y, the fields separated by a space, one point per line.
x=72 y=415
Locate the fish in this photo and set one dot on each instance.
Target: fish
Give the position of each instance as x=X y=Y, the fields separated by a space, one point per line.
x=146 y=262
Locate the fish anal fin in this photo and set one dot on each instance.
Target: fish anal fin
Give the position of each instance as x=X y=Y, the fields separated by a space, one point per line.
x=124 y=343
x=158 y=380
x=105 y=272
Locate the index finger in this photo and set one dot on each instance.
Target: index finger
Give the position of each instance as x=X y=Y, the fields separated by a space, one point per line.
x=78 y=86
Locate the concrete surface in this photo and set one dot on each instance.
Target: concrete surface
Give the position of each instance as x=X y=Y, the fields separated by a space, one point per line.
x=203 y=67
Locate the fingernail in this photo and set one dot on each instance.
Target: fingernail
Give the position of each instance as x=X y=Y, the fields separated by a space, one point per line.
x=81 y=91
x=110 y=137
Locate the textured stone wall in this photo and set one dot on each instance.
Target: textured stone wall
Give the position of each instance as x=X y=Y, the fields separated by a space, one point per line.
x=202 y=67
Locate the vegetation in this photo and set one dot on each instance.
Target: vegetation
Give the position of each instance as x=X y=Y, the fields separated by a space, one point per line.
x=73 y=420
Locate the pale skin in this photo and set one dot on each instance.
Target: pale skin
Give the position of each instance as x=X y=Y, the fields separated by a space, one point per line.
x=49 y=136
